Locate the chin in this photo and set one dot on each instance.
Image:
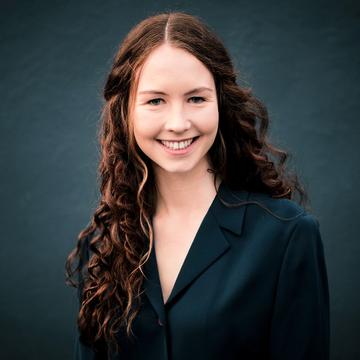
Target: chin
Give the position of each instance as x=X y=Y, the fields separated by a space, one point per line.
x=176 y=169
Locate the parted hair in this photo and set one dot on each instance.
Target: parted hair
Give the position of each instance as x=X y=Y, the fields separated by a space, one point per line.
x=119 y=234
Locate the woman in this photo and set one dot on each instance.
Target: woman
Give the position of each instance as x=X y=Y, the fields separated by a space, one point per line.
x=197 y=249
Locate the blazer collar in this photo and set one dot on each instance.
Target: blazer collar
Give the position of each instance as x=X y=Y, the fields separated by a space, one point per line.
x=208 y=245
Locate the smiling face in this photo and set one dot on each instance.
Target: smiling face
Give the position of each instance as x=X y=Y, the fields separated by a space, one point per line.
x=175 y=100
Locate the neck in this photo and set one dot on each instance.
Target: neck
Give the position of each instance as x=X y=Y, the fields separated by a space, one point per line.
x=184 y=194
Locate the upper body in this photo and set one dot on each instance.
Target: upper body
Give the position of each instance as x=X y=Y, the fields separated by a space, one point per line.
x=220 y=282
x=251 y=286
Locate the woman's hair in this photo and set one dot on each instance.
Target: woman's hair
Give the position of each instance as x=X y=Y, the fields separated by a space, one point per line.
x=110 y=283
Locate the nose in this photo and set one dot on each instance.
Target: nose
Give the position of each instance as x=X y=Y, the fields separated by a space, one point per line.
x=177 y=120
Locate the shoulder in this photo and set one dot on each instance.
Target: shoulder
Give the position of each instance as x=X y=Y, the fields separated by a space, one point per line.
x=260 y=214
x=283 y=224
x=261 y=204
x=278 y=215
x=267 y=206
x=279 y=206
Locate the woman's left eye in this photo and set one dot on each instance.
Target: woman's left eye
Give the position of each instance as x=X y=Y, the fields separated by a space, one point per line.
x=198 y=97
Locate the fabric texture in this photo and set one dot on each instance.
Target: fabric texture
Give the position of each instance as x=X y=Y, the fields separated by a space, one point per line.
x=252 y=286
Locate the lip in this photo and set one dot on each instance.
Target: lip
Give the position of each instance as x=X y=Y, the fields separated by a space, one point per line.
x=179 y=151
x=178 y=140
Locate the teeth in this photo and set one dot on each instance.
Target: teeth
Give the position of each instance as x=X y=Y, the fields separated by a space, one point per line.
x=176 y=145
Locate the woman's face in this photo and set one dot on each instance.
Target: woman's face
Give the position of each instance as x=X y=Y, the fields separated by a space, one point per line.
x=175 y=100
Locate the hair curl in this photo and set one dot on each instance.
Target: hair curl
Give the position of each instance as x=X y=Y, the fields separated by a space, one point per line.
x=110 y=283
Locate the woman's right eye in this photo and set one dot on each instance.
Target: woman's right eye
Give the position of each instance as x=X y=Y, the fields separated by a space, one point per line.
x=152 y=100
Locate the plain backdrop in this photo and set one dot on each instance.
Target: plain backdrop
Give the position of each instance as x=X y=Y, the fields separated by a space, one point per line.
x=301 y=58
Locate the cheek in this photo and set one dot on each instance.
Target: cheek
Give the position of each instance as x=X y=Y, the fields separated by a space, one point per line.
x=209 y=120
x=144 y=126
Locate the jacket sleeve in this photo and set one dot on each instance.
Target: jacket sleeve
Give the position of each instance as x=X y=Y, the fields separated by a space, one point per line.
x=84 y=352
x=81 y=350
x=300 y=327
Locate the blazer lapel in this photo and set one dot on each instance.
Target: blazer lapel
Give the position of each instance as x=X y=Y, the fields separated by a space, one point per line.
x=208 y=245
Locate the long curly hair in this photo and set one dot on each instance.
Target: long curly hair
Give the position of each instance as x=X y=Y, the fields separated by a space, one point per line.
x=120 y=234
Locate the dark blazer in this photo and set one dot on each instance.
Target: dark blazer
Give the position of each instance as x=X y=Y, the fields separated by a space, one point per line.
x=252 y=286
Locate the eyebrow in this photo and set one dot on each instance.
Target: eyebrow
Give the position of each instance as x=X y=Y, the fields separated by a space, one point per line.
x=198 y=89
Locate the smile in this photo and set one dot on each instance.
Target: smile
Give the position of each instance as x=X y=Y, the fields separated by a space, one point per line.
x=178 y=147
x=177 y=144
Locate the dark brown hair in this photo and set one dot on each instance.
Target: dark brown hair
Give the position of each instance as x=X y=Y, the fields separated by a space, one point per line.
x=110 y=282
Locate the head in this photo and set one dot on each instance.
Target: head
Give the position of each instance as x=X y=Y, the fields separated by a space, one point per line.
x=172 y=53
x=175 y=100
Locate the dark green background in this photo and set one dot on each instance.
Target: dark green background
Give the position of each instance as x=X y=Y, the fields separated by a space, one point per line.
x=300 y=57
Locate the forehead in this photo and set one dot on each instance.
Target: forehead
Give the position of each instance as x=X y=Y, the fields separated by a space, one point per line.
x=171 y=67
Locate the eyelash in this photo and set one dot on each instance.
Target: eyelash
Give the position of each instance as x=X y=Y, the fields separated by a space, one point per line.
x=193 y=97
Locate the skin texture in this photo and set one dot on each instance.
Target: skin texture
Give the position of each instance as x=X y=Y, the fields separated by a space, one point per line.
x=176 y=116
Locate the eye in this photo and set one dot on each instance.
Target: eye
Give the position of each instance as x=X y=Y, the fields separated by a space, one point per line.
x=151 y=101
x=199 y=98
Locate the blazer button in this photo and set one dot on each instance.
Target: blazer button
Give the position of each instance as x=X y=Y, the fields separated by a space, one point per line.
x=160 y=323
